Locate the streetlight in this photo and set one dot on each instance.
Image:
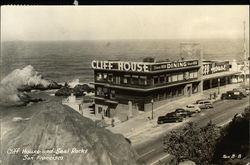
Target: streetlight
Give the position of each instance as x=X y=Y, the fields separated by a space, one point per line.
x=152 y=102
x=218 y=85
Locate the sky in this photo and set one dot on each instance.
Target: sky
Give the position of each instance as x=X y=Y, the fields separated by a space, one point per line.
x=122 y=22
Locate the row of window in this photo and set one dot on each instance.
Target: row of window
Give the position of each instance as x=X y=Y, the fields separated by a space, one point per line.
x=169 y=93
x=175 y=77
x=144 y=80
x=126 y=79
x=105 y=92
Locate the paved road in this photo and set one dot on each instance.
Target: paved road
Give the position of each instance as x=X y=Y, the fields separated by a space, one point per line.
x=222 y=113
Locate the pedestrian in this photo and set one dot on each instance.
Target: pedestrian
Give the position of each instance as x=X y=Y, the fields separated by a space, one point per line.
x=214 y=95
x=210 y=96
x=113 y=122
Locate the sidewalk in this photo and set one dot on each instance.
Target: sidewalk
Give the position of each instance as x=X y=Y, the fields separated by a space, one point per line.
x=140 y=129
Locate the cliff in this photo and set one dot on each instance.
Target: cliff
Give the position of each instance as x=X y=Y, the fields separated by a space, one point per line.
x=48 y=127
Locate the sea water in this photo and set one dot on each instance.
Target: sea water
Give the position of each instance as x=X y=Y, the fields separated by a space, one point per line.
x=67 y=60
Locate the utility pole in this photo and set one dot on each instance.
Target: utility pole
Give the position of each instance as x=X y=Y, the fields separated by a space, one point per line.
x=218 y=86
x=244 y=52
x=152 y=114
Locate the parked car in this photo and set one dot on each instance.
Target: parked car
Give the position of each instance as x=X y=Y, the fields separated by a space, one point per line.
x=232 y=95
x=194 y=108
x=247 y=90
x=168 y=118
x=204 y=104
x=241 y=90
x=183 y=113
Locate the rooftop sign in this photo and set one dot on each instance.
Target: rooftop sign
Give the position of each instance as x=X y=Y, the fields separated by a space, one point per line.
x=140 y=66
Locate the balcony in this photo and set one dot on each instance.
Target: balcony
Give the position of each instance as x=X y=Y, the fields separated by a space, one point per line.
x=146 y=88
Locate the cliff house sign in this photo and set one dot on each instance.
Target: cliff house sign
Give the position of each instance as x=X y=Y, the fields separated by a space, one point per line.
x=140 y=66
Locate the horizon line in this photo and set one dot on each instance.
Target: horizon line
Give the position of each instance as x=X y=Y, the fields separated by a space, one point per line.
x=133 y=39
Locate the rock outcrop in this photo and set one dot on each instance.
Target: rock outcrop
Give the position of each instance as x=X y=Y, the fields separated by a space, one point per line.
x=52 y=126
x=51 y=85
x=78 y=90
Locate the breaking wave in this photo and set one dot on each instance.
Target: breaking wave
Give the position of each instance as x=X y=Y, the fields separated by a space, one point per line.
x=9 y=94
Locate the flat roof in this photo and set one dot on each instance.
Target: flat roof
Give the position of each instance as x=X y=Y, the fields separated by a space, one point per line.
x=150 y=72
x=220 y=74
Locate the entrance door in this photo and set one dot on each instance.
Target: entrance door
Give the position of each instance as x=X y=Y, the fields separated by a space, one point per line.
x=107 y=112
x=140 y=106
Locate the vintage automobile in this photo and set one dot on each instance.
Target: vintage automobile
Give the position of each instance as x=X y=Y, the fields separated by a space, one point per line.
x=183 y=112
x=232 y=95
x=247 y=89
x=241 y=90
x=193 y=108
x=168 y=118
x=204 y=104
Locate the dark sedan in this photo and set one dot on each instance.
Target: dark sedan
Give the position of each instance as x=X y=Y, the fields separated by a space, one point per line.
x=169 y=118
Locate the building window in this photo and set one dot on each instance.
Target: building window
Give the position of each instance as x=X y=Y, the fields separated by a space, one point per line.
x=143 y=80
x=180 y=91
x=169 y=78
x=156 y=97
x=193 y=74
x=117 y=80
x=99 y=109
x=195 y=88
x=126 y=79
x=186 y=76
x=105 y=76
x=135 y=79
x=180 y=77
x=168 y=93
x=161 y=95
x=110 y=77
x=99 y=91
x=105 y=90
x=156 y=80
x=112 y=93
x=99 y=76
x=174 y=92
x=162 y=79
x=174 y=77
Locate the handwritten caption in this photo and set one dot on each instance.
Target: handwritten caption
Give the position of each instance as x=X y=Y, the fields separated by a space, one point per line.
x=46 y=154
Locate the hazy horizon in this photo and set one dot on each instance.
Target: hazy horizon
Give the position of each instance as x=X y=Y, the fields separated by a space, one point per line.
x=149 y=39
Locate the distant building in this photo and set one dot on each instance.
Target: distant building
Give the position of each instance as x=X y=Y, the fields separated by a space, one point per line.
x=243 y=71
x=217 y=73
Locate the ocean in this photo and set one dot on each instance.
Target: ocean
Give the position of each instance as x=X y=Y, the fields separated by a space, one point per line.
x=67 y=60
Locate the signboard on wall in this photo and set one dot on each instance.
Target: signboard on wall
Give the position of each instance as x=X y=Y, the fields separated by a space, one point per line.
x=215 y=67
x=173 y=65
x=140 y=66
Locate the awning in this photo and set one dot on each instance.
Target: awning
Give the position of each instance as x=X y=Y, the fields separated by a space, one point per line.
x=149 y=88
x=105 y=100
x=219 y=75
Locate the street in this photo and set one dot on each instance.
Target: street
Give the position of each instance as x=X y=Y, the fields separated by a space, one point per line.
x=222 y=113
